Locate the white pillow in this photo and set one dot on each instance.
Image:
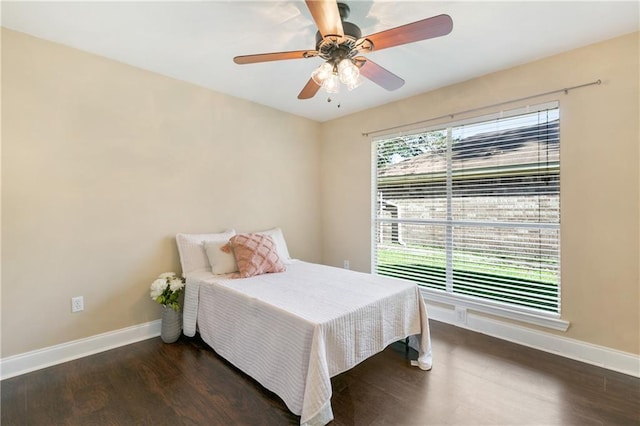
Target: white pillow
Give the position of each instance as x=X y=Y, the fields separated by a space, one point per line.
x=191 y=249
x=281 y=244
x=221 y=262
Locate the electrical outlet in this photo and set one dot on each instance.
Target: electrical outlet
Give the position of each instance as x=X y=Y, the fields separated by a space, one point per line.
x=346 y=264
x=461 y=315
x=77 y=304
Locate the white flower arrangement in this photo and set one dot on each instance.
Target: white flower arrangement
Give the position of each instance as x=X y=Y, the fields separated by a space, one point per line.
x=166 y=290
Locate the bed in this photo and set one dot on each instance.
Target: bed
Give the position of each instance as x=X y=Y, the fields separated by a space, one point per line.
x=293 y=330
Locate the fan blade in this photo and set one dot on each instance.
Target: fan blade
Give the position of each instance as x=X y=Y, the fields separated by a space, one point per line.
x=382 y=77
x=309 y=90
x=327 y=17
x=276 y=56
x=435 y=26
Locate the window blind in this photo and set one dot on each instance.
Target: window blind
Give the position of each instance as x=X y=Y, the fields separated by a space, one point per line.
x=473 y=208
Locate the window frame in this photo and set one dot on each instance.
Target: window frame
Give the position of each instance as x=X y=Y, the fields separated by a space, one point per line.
x=551 y=320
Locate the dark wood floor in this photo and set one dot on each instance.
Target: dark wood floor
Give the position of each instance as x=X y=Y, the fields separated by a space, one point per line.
x=476 y=380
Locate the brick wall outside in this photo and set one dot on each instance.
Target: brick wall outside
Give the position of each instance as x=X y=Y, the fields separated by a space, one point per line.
x=520 y=209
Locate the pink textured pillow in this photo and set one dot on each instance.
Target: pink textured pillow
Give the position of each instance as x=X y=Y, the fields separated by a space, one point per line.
x=256 y=254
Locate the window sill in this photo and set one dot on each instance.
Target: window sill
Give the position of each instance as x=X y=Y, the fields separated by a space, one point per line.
x=547 y=320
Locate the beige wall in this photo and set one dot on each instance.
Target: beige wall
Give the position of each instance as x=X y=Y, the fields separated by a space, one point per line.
x=103 y=163
x=599 y=178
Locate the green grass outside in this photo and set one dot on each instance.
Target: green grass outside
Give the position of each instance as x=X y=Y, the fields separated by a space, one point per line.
x=462 y=261
x=427 y=266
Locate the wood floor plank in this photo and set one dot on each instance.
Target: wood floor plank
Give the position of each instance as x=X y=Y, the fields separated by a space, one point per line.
x=476 y=380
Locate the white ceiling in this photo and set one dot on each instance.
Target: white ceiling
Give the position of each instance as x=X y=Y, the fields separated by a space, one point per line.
x=196 y=41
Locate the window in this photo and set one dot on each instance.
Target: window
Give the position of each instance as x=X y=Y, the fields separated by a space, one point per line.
x=472 y=209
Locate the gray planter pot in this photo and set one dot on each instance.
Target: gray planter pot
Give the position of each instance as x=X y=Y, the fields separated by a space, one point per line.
x=171 y=327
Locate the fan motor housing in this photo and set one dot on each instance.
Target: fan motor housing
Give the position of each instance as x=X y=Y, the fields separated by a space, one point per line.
x=351 y=31
x=333 y=48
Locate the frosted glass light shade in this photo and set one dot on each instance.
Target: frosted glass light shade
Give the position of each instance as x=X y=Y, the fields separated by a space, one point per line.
x=355 y=84
x=331 y=84
x=320 y=74
x=349 y=73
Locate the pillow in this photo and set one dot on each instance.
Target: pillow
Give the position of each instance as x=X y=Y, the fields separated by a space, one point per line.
x=193 y=257
x=281 y=244
x=255 y=254
x=221 y=261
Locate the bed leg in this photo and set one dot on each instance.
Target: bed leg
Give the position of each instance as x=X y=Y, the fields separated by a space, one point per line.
x=406 y=347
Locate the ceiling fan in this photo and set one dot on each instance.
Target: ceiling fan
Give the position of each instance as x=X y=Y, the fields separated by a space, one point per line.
x=340 y=44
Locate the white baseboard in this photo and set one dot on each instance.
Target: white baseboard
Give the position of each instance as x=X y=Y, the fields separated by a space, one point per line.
x=600 y=356
x=30 y=361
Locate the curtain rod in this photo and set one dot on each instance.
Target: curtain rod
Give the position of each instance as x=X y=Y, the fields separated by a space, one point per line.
x=565 y=90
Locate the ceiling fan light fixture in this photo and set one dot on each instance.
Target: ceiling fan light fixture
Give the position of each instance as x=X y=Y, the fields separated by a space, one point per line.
x=348 y=72
x=331 y=84
x=323 y=72
x=356 y=83
x=329 y=75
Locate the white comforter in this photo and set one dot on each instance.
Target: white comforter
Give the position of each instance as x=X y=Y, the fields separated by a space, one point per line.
x=293 y=331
